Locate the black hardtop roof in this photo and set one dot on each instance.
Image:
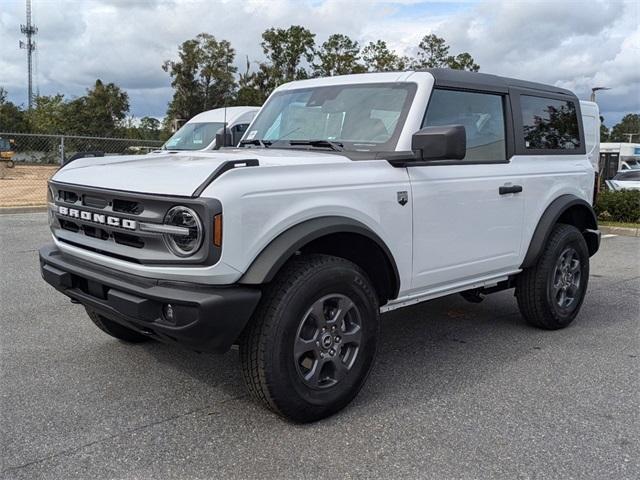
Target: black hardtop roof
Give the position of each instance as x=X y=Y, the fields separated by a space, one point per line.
x=482 y=81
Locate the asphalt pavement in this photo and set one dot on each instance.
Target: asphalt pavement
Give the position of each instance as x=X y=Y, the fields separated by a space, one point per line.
x=459 y=391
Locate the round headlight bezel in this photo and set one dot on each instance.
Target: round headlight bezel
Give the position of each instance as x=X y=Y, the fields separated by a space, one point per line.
x=170 y=239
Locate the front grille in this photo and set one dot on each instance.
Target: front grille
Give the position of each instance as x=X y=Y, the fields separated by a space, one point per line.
x=127 y=206
x=95 y=202
x=67 y=197
x=71 y=226
x=94 y=232
x=109 y=223
x=129 y=240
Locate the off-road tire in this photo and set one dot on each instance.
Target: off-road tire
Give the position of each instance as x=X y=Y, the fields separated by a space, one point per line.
x=534 y=286
x=115 y=329
x=270 y=368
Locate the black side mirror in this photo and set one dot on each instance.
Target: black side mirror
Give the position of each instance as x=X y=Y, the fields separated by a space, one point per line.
x=223 y=139
x=447 y=142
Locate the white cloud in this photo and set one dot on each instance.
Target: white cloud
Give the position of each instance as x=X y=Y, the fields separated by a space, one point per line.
x=572 y=44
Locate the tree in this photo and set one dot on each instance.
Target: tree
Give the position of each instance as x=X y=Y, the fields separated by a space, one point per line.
x=339 y=55
x=604 y=131
x=627 y=130
x=378 y=58
x=148 y=128
x=286 y=50
x=102 y=109
x=433 y=52
x=48 y=114
x=249 y=88
x=217 y=71
x=463 y=61
x=186 y=101
x=203 y=78
x=12 y=118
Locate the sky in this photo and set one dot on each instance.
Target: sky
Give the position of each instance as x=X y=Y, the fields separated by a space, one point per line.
x=572 y=44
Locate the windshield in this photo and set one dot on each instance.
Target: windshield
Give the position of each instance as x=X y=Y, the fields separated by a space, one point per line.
x=628 y=175
x=193 y=136
x=367 y=117
x=4 y=145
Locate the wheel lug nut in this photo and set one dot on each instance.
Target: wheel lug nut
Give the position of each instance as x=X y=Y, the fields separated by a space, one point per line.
x=333 y=328
x=321 y=354
x=317 y=344
x=337 y=339
x=332 y=352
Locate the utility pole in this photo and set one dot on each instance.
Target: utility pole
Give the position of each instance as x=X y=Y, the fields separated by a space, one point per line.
x=29 y=30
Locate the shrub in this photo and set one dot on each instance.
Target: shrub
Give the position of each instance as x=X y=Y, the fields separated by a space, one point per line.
x=619 y=206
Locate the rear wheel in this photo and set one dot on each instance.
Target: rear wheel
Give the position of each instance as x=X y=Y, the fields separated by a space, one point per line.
x=551 y=292
x=115 y=329
x=311 y=344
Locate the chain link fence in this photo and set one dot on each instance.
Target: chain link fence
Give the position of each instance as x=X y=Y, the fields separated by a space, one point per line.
x=27 y=161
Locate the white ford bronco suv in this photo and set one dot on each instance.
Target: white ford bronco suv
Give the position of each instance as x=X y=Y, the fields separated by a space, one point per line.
x=347 y=197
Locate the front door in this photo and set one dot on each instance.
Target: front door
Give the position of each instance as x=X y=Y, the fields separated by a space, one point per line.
x=465 y=226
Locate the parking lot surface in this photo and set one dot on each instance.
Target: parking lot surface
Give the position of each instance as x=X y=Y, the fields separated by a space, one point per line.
x=459 y=391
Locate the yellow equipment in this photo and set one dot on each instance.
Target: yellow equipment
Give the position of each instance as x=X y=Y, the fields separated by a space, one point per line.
x=7 y=151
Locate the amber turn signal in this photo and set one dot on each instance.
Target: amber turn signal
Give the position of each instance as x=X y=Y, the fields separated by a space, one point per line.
x=217 y=230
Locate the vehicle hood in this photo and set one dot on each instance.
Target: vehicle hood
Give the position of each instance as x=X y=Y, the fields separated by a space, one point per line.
x=179 y=174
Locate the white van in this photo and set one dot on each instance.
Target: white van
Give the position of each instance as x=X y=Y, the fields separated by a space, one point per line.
x=199 y=133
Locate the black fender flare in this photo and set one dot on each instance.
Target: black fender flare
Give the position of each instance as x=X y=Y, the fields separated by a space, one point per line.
x=550 y=217
x=269 y=261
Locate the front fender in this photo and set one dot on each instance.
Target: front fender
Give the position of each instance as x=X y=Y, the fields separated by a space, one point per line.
x=283 y=247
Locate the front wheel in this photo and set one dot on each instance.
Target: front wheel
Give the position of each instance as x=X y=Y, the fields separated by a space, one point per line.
x=312 y=342
x=551 y=292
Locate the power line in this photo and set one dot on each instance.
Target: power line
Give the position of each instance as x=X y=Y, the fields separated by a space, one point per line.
x=29 y=30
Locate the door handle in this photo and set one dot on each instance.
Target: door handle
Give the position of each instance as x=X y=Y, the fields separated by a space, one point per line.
x=510 y=189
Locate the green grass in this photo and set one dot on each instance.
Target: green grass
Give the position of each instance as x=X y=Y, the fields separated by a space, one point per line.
x=607 y=223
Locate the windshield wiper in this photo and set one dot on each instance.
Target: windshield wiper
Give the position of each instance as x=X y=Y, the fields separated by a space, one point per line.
x=257 y=142
x=338 y=147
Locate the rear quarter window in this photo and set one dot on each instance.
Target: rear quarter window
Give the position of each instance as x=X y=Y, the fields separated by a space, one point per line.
x=549 y=124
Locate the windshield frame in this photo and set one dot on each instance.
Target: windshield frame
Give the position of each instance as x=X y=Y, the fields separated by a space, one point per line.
x=348 y=146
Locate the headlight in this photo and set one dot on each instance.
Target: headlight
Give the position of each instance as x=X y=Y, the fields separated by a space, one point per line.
x=187 y=243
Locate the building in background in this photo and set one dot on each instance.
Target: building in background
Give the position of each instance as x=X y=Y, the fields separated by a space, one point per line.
x=618 y=156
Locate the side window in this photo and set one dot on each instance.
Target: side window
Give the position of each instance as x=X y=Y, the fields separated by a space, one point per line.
x=481 y=114
x=237 y=131
x=549 y=124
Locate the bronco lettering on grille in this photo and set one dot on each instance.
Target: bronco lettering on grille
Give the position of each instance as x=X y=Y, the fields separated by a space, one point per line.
x=98 y=218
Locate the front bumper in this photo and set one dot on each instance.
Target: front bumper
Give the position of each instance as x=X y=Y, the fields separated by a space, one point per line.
x=206 y=319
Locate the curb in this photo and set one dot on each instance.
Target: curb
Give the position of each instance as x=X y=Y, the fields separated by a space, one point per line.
x=35 y=209
x=623 y=231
